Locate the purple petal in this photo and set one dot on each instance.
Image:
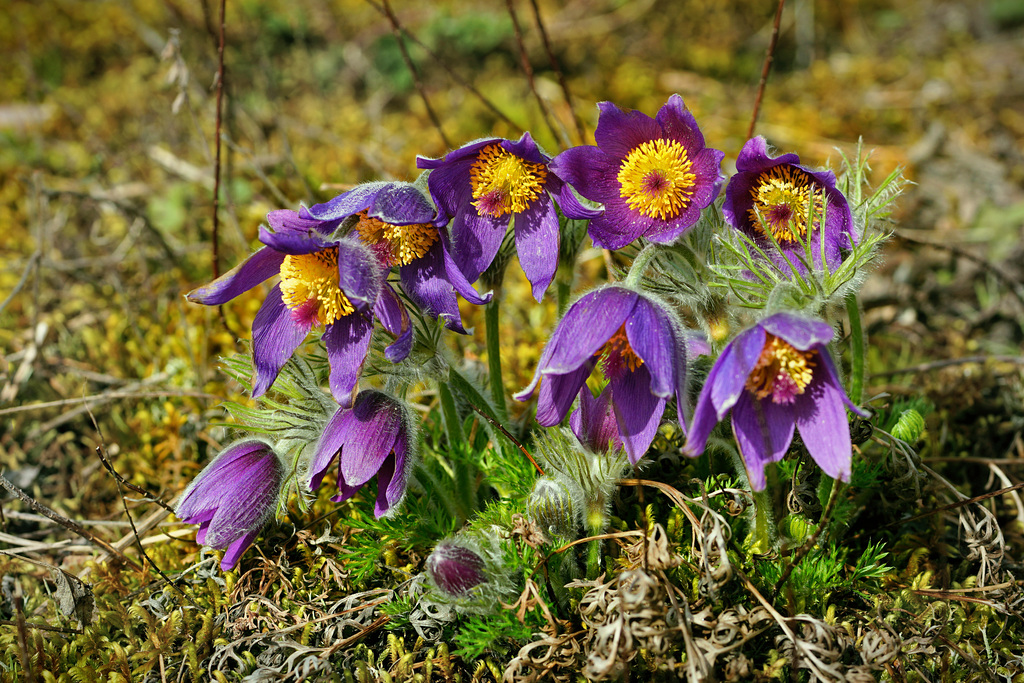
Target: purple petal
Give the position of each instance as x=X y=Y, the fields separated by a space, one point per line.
x=557 y=393
x=637 y=411
x=586 y=327
x=572 y=207
x=801 y=333
x=390 y=487
x=732 y=369
x=359 y=275
x=458 y=279
x=237 y=548
x=290 y=234
x=332 y=438
x=372 y=431
x=763 y=432
x=587 y=169
x=652 y=334
x=620 y=225
x=821 y=419
x=537 y=244
x=619 y=132
x=261 y=266
x=347 y=341
x=425 y=282
x=594 y=422
x=475 y=240
x=391 y=312
x=677 y=123
x=275 y=336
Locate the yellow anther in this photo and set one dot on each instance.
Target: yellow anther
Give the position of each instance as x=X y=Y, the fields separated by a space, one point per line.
x=657 y=179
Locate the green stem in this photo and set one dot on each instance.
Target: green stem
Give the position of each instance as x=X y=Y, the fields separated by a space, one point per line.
x=858 y=350
x=640 y=263
x=494 y=357
x=562 y=290
x=452 y=424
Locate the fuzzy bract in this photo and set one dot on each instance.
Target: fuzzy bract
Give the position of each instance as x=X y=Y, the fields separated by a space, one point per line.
x=455 y=569
x=233 y=498
x=641 y=349
x=481 y=186
x=653 y=176
x=778 y=198
x=373 y=437
x=774 y=377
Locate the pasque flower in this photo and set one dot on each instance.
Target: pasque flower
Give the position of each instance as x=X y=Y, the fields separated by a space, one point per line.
x=654 y=176
x=640 y=348
x=777 y=197
x=594 y=423
x=773 y=377
x=396 y=221
x=376 y=436
x=481 y=186
x=233 y=498
x=455 y=569
x=324 y=281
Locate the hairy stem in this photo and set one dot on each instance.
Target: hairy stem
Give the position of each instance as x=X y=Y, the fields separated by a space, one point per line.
x=494 y=358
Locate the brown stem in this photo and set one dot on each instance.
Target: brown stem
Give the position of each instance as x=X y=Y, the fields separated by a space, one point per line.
x=766 y=67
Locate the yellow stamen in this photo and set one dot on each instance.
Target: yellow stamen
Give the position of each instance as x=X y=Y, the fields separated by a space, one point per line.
x=312 y=280
x=781 y=372
x=657 y=180
x=404 y=243
x=783 y=195
x=617 y=354
x=504 y=183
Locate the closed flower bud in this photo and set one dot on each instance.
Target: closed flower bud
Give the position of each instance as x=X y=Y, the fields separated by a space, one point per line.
x=550 y=505
x=455 y=570
x=233 y=498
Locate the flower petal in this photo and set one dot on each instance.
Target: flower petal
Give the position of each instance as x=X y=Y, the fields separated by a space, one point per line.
x=557 y=392
x=347 y=341
x=275 y=336
x=619 y=132
x=587 y=169
x=237 y=548
x=261 y=266
x=594 y=422
x=370 y=437
x=332 y=438
x=537 y=243
x=652 y=334
x=425 y=282
x=821 y=419
x=637 y=411
x=802 y=333
x=475 y=240
x=763 y=432
x=391 y=312
x=734 y=367
x=359 y=275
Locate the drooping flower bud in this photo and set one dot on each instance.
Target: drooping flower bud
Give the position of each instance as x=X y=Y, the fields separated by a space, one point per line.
x=551 y=506
x=233 y=498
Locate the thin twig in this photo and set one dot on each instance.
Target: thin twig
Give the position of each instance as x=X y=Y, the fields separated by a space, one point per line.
x=420 y=88
x=26 y=660
x=105 y=397
x=65 y=522
x=937 y=364
x=766 y=68
x=802 y=551
x=41 y=627
x=508 y=436
x=989 y=267
x=581 y=136
x=36 y=255
x=436 y=59
x=216 y=163
x=524 y=59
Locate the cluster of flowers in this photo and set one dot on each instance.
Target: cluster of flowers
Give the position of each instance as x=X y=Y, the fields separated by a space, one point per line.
x=648 y=178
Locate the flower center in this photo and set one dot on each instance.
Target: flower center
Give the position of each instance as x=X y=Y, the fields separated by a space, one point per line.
x=396 y=245
x=309 y=287
x=656 y=179
x=783 y=196
x=617 y=356
x=503 y=182
x=782 y=371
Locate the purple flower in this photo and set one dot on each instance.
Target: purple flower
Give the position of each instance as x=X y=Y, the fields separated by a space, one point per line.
x=594 y=422
x=233 y=498
x=455 y=569
x=396 y=221
x=481 y=186
x=654 y=176
x=372 y=437
x=774 y=376
x=334 y=283
x=640 y=348
x=776 y=195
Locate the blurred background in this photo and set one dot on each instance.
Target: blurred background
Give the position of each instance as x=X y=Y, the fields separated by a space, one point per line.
x=107 y=134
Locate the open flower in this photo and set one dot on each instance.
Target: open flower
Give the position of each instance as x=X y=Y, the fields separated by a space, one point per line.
x=374 y=437
x=640 y=348
x=775 y=376
x=654 y=176
x=777 y=196
x=396 y=221
x=333 y=283
x=233 y=498
x=481 y=186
